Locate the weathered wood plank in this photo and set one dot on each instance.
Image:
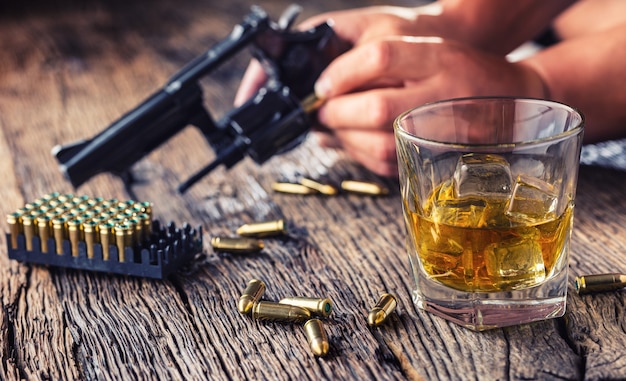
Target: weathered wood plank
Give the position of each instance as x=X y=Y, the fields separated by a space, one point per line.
x=65 y=73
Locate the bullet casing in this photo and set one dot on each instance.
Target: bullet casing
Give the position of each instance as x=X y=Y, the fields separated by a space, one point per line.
x=28 y=226
x=263 y=229
x=43 y=230
x=59 y=231
x=316 y=337
x=381 y=311
x=311 y=103
x=90 y=233
x=106 y=232
x=75 y=234
x=326 y=189
x=264 y=310
x=364 y=187
x=120 y=240
x=13 y=220
x=292 y=188
x=317 y=306
x=588 y=284
x=251 y=295
x=237 y=245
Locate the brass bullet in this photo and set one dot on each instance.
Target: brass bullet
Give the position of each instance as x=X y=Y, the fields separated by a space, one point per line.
x=326 y=189
x=588 y=284
x=364 y=187
x=264 y=310
x=382 y=310
x=50 y=197
x=317 y=306
x=28 y=226
x=146 y=226
x=311 y=103
x=252 y=294
x=75 y=234
x=33 y=205
x=237 y=245
x=13 y=220
x=263 y=229
x=292 y=188
x=146 y=207
x=89 y=230
x=316 y=336
x=106 y=231
x=44 y=226
x=59 y=231
x=120 y=240
x=137 y=230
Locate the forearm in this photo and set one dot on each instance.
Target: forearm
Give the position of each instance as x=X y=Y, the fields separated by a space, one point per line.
x=588 y=73
x=497 y=26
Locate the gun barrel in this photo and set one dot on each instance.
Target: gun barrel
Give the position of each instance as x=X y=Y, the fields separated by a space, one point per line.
x=159 y=117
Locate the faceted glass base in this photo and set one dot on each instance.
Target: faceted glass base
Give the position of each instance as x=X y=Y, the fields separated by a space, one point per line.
x=481 y=311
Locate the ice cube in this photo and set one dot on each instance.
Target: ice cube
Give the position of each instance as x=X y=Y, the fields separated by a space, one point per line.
x=517 y=262
x=482 y=175
x=446 y=209
x=533 y=201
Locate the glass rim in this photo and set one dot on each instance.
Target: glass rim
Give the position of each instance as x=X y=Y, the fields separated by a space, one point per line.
x=548 y=139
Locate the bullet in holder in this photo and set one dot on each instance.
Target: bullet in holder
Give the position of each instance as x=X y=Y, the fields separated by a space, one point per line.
x=381 y=311
x=13 y=220
x=44 y=226
x=28 y=227
x=66 y=230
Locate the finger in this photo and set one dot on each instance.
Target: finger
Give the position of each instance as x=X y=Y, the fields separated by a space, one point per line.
x=374 y=109
x=252 y=80
x=347 y=24
x=412 y=58
x=375 y=150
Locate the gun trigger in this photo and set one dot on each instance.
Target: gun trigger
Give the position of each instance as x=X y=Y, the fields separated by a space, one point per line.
x=63 y=153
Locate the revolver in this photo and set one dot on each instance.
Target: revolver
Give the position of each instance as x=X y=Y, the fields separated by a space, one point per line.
x=274 y=120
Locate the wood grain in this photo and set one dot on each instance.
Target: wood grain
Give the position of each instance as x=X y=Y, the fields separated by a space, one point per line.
x=67 y=70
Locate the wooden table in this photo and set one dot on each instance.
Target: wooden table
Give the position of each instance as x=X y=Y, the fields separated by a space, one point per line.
x=69 y=69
